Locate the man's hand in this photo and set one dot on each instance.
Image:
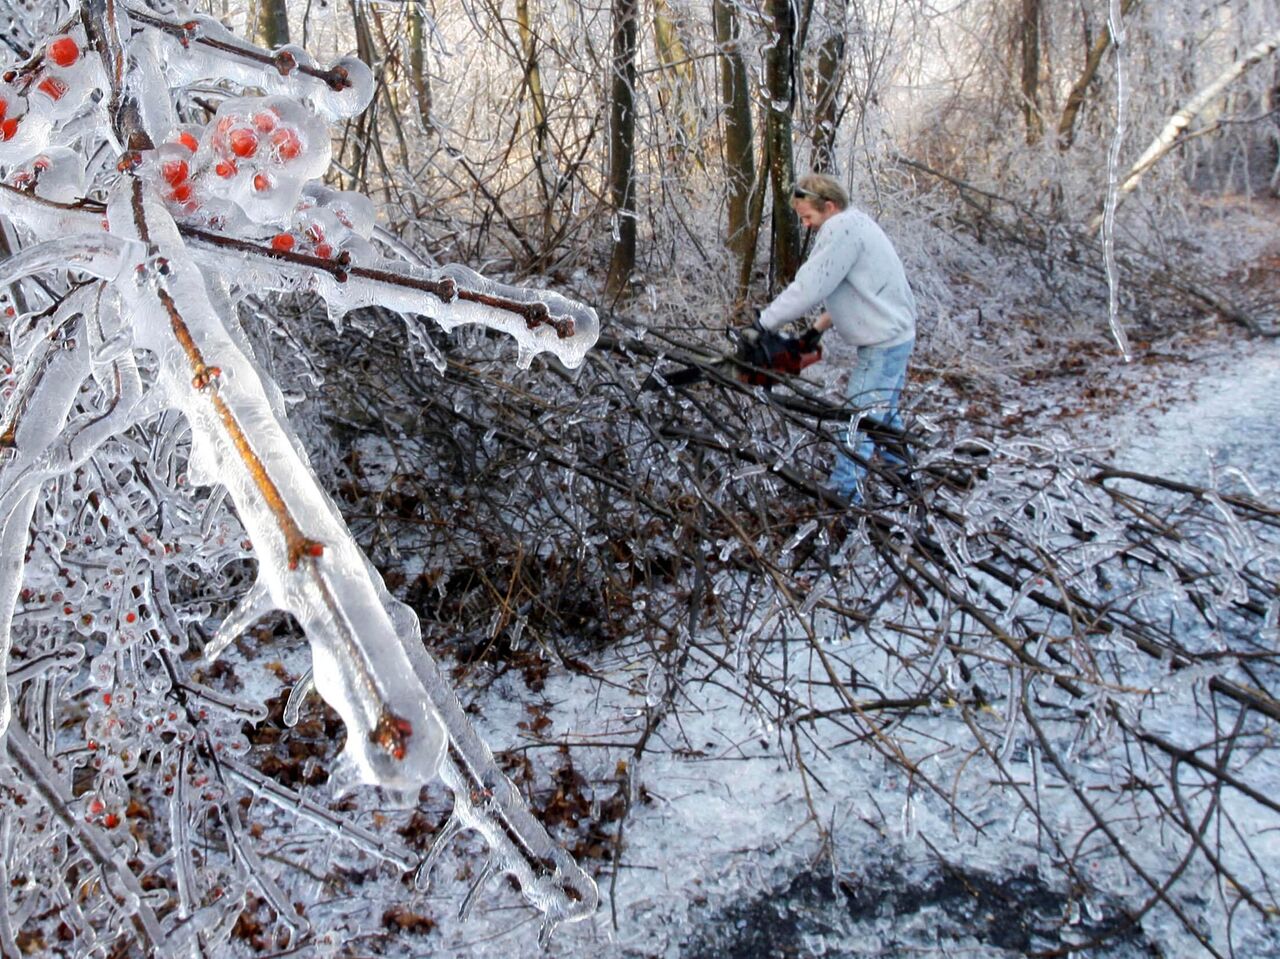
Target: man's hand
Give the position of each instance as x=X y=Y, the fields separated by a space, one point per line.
x=753 y=330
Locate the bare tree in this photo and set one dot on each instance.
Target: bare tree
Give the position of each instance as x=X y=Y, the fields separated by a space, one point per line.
x=622 y=133
x=738 y=136
x=780 y=103
x=1029 y=43
x=419 y=77
x=1079 y=90
x=273 y=22
x=828 y=77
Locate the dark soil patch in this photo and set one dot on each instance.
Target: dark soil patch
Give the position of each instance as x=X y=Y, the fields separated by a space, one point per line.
x=888 y=914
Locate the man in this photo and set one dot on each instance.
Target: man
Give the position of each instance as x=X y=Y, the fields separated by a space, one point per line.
x=854 y=272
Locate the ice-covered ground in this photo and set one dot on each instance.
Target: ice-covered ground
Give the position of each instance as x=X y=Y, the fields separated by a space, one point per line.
x=1231 y=423
x=733 y=848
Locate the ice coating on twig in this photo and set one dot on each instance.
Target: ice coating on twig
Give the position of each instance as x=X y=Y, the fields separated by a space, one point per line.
x=142 y=226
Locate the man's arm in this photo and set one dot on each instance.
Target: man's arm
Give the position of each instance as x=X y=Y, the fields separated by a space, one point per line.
x=829 y=263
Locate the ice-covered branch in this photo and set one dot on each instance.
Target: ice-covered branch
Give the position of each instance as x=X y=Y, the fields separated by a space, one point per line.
x=140 y=227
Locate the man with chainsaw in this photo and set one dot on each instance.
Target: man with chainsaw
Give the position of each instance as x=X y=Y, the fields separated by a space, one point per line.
x=854 y=274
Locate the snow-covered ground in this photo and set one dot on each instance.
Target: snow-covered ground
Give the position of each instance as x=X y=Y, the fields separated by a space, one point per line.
x=747 y=840
x=1230 y=422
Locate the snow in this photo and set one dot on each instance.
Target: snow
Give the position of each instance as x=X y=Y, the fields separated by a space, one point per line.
x=728 y=814
x=1232 y=426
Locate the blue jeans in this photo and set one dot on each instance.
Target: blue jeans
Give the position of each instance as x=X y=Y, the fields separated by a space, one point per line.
x=875 y=384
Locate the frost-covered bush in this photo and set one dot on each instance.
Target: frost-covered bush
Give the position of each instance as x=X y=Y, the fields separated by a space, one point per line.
x=156 y=171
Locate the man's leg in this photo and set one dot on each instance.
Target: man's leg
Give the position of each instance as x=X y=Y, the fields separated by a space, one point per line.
x=875 y=384
x=896 y=358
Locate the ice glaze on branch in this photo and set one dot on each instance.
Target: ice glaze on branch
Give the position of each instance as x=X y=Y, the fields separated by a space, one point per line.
x=208 y=33
x=193 y=212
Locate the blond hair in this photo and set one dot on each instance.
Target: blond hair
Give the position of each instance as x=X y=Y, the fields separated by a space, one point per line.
x=820 y=188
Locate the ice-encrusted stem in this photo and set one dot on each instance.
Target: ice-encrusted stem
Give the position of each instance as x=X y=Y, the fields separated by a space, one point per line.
x=117 y=877
x=308 y=562
x=26 y=440
x=538 y=320
x=293 y=802
x=258 y=874
x=486 y=800
x=8 y=944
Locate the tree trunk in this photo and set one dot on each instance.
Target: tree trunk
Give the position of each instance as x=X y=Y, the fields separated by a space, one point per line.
x=677 y=88
x=622 y=140
x=418 y=77
x=826 y=88
x=1029 y=39
x=739 y=146
x=273 y=22
x=779 y=88
x=364 y=125
x=542 y=160
x=1075 y=99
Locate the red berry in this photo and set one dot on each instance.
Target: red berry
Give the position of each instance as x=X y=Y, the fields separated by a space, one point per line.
x=282 y=242
x=188 y=141
x=106 y=698
x=111 y=820
x=181 y=193
x=174 y=171
x=9 y=128
x=130 y=617
x=315 y=549
x=244 y=142
x=225 y=169
x=53 y=88
x=265 y=121
x=287 y=145
x=262 y=182
x=4 y=107
x=96 y=806
x=64 y=51
x=324 y=251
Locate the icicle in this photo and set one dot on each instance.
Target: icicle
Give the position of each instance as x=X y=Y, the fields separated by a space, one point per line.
x=178 y=836
x=422 y=878
x=255 y=604
x=297 y=696
x=546 y=931
x=800 y=536
x=487 y=872
x=1013 y=721
x=816 y=594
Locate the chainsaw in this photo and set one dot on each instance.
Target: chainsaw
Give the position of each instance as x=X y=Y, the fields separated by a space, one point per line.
x=759 y=356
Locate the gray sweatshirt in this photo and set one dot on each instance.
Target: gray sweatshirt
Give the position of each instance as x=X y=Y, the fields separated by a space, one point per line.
x=853 y=270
